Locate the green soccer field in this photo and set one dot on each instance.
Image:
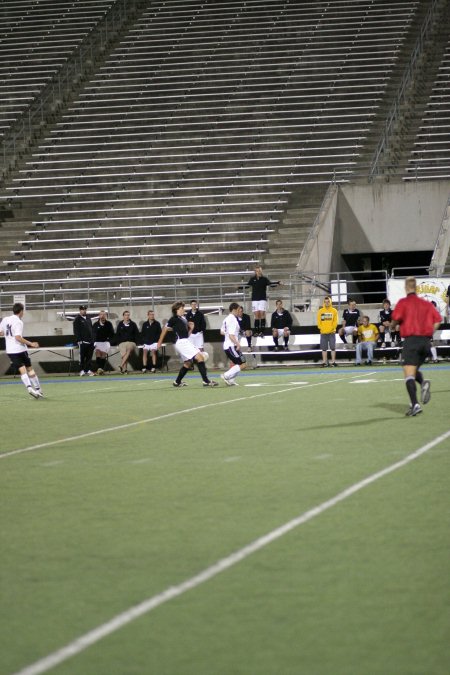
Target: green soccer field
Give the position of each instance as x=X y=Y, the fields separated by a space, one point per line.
x=120 y=495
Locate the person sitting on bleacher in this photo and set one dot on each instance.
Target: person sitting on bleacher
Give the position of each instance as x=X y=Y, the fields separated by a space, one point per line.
x=245 y=326
x=103 y=336
x=281 y=324
x=350 y=322
x=384 y=323
x=127 y=335
x=367 y=336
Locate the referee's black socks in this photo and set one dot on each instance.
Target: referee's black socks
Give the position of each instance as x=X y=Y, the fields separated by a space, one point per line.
x=411 y=388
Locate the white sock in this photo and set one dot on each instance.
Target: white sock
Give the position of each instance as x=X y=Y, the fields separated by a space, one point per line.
x=26 y=380
x=234 y=370
x=35 y=382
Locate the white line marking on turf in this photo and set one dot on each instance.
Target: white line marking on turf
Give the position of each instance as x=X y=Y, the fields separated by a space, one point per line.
x=121 y=620
x=185 y=411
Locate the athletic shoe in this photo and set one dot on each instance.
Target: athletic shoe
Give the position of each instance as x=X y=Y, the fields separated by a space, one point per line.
x=144 y=370
x=33 y=393
x=333 y=364
x=413 y=410
x=226 y=380
x=90 y=373
x=233 y=382
x=153 y=370
x=357 y=364
x=100 y=371
x=39 y=393
x=179 y=384
x=425 y=393
x=210 y=384
x=383 y=346
x=368 y=363
x=325 y=364
x=82 y=373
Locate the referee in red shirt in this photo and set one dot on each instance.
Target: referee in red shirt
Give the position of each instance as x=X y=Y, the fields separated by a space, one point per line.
x=418 y=320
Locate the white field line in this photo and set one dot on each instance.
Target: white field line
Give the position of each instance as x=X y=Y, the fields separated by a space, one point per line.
x=124 y=618
x=129 y=425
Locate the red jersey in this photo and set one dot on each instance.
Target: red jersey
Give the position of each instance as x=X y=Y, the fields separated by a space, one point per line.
x=416 y=316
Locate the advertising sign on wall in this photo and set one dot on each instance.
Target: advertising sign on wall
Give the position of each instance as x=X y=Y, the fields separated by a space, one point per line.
x=431 y=288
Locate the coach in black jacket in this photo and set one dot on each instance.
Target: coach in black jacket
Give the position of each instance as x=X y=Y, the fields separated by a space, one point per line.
x=84 y=336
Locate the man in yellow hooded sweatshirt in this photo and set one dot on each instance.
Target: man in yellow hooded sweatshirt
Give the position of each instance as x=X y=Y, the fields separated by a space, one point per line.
x=327 y=319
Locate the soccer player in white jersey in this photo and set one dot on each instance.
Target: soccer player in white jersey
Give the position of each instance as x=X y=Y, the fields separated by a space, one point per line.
x=11 y=327
x=231 y=345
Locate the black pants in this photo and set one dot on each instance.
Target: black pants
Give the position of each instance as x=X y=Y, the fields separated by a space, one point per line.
x=86 y=351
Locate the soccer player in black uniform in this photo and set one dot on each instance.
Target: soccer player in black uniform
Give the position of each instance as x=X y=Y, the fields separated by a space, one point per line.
x=84 y=336
x=184 y=347
x=281 y=323
x=150 y=333
x=350 y=322
x=198 y=324
x=103 y=336
x=245 y=326
x=259 y=284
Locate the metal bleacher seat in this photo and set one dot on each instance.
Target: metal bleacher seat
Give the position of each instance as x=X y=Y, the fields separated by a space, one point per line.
x=430 y=157
x=192 y=134
x=36 y=39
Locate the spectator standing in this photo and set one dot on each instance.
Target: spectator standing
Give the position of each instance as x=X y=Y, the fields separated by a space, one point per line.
x=418 y=319
x=245 y=327
x=367 y=339
x=84 y=336
x=281 y=324
x=11 y=327
x=259 y=284
x=151 y=332
x=127 y=336
x=327 y=318
x=103 y=331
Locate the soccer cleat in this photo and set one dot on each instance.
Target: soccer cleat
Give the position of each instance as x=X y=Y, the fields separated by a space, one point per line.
x=33 y=393
x=210 y=384
x=144 y=370
x=179 y=384
x=413 y=410
x=90 y=373
x=39 y=393
x=226 y=380
x=153 y=370
x=233 y=382
x=82 y=373
x=425 y=393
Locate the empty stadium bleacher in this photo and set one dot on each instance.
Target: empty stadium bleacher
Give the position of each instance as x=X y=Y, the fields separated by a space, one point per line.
x=180 y=153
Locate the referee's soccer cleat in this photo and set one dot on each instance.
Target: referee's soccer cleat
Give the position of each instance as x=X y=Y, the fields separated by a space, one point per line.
x=33 y=393
x=413 y=410
x=425 y=393
x=179 y=384
x=210 y=384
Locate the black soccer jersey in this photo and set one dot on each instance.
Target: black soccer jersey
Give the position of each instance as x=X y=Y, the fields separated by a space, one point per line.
x=198 y=319
x=244 y=322
x=259 y=287
x=351 y=317
x=179 y=325
x=283 y=320
x=151 y=332
x=103 y=332
x=385 y=315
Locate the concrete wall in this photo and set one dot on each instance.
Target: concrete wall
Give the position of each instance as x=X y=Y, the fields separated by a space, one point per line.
x=388 y=217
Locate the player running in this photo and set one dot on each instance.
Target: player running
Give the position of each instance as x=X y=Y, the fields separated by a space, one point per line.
x=231 y=345
x=16 y=348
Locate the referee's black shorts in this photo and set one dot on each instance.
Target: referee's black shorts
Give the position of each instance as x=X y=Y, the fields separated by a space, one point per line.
x=416 y=349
